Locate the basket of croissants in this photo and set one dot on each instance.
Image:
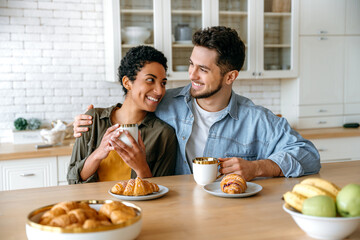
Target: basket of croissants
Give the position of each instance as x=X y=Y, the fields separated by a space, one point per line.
x=88 y=219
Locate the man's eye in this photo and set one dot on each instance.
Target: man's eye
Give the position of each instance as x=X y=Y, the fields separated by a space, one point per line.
x=203 y=69
x=164 y=83
x=150 y=80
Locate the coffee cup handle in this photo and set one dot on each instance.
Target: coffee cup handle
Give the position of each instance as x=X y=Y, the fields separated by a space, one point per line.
x=221 y=173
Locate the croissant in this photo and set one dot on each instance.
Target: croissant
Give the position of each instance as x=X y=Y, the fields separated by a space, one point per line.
x=233 y=184
x=137 y=187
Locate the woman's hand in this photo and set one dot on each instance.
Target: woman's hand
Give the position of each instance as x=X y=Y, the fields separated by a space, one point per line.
x=92 y=163
x=105 y=147
x=135 y=156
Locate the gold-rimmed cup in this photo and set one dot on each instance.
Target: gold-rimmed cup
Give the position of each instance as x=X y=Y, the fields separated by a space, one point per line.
x=206 y=170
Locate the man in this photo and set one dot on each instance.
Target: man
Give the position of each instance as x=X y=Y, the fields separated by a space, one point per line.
x=210 y=120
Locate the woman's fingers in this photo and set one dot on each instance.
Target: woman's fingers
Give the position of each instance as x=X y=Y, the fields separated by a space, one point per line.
x=141 y=142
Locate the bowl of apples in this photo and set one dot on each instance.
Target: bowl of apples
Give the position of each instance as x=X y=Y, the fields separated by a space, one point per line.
x=323 y=210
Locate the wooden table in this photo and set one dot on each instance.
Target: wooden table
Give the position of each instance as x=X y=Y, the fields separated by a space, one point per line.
x=186 y=211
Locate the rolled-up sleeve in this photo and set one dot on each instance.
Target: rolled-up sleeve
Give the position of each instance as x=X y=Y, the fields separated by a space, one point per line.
x=77 y=162
x=294 y=155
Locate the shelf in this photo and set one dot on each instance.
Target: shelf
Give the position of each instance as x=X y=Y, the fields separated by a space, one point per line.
x=233 y=13
x=124 y=45
x=186 y=12
x=277 y=45
x=137 y=11
x=185 y=45
x=275 y=14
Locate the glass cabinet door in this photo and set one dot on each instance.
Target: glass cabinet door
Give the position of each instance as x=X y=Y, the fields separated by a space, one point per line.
x=235 y=14
x=137 y=24
x=183 y=19
x=278 y=38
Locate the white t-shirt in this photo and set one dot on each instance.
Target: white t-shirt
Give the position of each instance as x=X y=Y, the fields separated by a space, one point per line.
x=203 y=120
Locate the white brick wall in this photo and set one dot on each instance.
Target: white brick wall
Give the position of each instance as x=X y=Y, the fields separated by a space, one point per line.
x=52 y=63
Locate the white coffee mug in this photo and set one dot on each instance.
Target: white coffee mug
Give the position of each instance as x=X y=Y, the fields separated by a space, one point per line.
x=132 y=129
x=205 y=170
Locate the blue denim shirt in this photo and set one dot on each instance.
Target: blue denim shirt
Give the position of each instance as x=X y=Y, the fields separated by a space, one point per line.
x=244 y=130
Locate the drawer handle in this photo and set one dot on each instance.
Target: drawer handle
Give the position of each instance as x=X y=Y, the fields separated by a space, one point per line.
x=323 y=32
x=323 y=38
x=322 y=110
x=322 y=122
x=322 y=150
x=27 y=174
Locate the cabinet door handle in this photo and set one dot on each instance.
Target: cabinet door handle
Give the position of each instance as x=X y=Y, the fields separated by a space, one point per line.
x=323 y=38
x=322 y=110
x=322 y=149
x=254 y=73
x=27 y=174
x=260 y=74
x=322 y=122
x=323 y=32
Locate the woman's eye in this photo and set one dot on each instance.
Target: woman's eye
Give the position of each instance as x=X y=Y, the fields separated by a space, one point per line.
x=164 y=83
x=150 y=80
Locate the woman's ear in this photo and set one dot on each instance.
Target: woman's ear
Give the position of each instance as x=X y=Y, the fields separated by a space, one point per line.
x=126 y=83
x=231 y=76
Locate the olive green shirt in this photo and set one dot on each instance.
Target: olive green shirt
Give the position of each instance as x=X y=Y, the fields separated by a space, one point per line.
x=159 y=140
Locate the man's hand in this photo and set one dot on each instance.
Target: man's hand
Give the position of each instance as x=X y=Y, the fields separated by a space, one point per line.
x=250 y=169
x=82 y=120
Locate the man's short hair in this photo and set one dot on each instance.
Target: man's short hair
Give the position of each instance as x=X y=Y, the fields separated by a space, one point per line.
x=226 y=42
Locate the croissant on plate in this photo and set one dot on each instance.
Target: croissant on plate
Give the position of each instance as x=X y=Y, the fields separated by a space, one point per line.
x=134 y=187
x=233 y=184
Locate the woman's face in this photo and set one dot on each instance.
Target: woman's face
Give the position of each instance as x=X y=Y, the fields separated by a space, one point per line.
x=149 y=87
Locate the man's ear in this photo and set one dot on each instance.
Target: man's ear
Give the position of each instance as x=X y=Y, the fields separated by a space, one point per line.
x=231 y=76
x=126 y=83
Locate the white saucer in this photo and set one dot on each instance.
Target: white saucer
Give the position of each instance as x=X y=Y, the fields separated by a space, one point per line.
x=162 y=191
x=215 y=189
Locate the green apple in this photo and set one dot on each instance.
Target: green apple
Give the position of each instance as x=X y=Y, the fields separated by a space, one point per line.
x=348 y=200
x=320 y=206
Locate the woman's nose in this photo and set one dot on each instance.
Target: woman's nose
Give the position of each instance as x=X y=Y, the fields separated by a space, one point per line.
x=159 y=89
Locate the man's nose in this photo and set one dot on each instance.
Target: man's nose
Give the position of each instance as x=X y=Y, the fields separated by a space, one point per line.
x=193 y=73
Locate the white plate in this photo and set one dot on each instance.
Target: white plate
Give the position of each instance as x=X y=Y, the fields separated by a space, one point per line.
x=215 y=189
x=162 y=191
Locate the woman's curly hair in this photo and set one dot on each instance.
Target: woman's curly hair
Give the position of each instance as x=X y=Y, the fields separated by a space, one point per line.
x=135 y=59
x=226 y=42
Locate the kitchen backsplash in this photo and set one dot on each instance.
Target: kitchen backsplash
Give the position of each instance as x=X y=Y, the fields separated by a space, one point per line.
x=52 y=63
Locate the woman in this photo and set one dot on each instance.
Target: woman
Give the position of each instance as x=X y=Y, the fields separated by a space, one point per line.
x=98 y=155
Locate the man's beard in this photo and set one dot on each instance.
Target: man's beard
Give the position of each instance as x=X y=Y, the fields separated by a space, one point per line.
x=205 y=94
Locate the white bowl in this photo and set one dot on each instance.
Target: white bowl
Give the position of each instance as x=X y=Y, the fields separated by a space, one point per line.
x=324 y=227
x=135 y=35
x=127 y=230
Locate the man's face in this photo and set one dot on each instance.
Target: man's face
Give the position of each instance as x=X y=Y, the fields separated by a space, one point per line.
x=205 y=75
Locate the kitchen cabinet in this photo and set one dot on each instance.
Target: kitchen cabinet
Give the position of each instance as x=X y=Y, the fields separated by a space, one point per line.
x=269 y=29
x=326 y=92
x=33 y=172
x=28 y=173
x=338 y=149
x=322 y=17
x=62 y=169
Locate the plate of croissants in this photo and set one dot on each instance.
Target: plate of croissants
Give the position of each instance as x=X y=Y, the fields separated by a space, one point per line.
x=233 y=186
x=137 y=189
